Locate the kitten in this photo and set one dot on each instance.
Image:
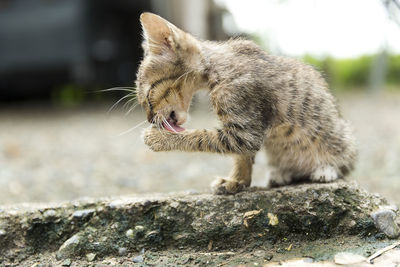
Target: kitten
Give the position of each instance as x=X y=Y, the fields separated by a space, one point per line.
x=261 y=100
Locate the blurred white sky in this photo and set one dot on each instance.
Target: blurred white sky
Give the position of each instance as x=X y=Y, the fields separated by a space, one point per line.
x=339 y=28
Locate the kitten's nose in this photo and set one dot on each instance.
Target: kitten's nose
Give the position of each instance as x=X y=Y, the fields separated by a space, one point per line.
x=172 y=116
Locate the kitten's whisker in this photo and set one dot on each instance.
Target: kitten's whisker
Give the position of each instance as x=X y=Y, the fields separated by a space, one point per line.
x=132 y=108
x=126 y=89
x=131 y=129
x=119 y=101
x=187 y=76
x=160 y=126
x=128 y=102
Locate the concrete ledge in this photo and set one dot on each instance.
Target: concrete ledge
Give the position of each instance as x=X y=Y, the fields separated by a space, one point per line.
x=194 y=222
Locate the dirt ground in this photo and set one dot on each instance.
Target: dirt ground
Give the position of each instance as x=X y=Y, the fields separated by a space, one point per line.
x=53 y=154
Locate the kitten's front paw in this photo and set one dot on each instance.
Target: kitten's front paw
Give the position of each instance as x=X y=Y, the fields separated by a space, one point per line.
x=222 y=186
x=155 y=140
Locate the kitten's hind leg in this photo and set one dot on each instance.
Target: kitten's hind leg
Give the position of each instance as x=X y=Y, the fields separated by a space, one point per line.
x=239 y=178
x=324 y=174
x=278 y=178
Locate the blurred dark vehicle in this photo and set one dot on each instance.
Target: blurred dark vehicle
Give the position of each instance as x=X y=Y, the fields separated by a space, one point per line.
x=50 y=43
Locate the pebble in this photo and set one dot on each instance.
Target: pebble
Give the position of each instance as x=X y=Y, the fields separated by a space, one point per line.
x=67 y=262
x=153 y=236
x=49 y=214
x=268 y=257
x=115 y=225
x=138 y=259
x=90 y=256
x=69 y=247
x=384 y=220
x=259 y=253
x=129 y=233
x=273 y=219
x=139 y=228
x=83 y=213
x=174 y=204
x=2 y=232
x=122 y=251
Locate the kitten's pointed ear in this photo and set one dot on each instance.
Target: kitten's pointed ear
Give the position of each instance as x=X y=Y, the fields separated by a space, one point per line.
x=158 y=33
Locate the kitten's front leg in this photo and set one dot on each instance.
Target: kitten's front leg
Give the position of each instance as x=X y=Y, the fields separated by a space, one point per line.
x=214 y=141
x=242 y=147
x=239 y=178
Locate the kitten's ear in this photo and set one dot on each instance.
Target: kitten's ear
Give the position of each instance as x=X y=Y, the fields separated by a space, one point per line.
x=159 y=34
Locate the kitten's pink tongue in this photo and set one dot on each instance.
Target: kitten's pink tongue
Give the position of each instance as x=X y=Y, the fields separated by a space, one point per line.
x=171 y=127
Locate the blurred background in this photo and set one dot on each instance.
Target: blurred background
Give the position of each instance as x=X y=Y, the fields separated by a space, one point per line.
x=61 y=139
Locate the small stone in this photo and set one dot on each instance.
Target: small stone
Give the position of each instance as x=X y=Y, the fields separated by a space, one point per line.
x=69 y=247
x=115 y=225
x=122 y=251
x=138 y=259
x=48 y=214
x=259 y=253
x=129 y=233
x=384 y=220
x=2 y=232
x=268 y=257
x=273 y=219
x=153 y=236
x=139 y=228
x=352 y=223
x=83 y=213
x=345 y=258
x=174 y=204
x=180 y=236
x=66 y=262
x=90 y=256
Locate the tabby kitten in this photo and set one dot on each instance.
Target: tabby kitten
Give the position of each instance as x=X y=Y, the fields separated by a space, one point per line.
x=261 y=100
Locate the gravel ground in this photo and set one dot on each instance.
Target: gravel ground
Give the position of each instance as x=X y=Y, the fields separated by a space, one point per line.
x=49 y=154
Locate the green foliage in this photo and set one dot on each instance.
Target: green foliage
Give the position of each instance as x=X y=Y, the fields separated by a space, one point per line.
x=354 y=73
x=68 y=95
x=347 y=73
x=393 y=76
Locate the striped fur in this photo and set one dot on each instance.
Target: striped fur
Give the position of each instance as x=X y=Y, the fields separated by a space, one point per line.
x=262 y=100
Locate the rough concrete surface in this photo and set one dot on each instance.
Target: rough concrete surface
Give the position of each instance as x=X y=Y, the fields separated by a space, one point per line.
x=58 y=154
x=314 y=222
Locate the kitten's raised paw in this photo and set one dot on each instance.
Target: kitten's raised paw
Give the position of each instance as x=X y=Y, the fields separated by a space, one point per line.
x=324 y=174
x=222 y=186
x=156 y=140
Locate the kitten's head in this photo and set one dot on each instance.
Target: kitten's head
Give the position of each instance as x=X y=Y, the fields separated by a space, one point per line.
x=166 y=77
